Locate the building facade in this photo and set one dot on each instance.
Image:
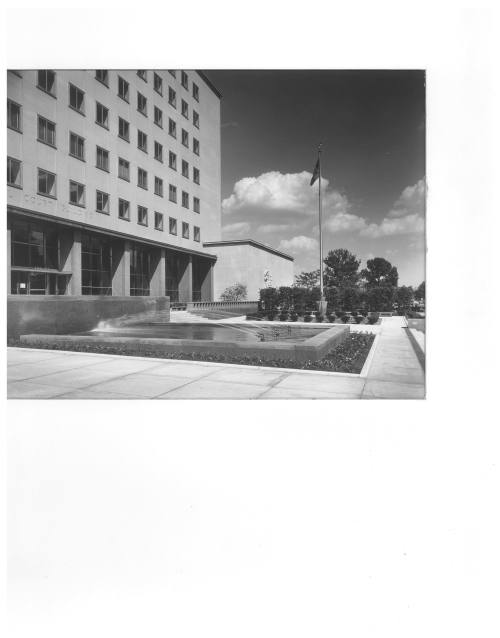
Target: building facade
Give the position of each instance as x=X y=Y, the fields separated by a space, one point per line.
x=113 y=182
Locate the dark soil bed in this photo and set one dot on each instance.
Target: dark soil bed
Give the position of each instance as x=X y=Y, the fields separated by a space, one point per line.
x=349 y=356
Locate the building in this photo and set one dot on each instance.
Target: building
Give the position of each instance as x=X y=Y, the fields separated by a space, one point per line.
x=113 y=182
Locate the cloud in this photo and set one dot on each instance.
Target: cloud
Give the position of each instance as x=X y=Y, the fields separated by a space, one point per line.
x=239 y=228
x=276 y=228
x=389 y=227
x=299 y=244
x=410 y=202
x=344 y=222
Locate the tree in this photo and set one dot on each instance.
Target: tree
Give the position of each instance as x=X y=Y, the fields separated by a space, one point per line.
x=236 y=292
x=380 y=298
x=420 y=291
x=307 y=279
x=404 y=298
x=341 y=268
x=380 y=272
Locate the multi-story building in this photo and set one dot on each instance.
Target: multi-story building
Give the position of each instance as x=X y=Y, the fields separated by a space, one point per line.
x=113 y=182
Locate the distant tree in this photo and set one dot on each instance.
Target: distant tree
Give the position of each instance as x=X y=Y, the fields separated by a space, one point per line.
x=404 y=298
x=307 y=279
x=380 y=272
x=420 y=291
x=341 y=268
x=236 y=292
x=380 y=298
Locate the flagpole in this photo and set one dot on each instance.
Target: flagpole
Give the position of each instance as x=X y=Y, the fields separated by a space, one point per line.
x=320 y=229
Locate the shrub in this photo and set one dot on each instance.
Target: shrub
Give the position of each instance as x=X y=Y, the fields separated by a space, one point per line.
x=269 y=299
x=298 y=299
x=373 y=318
x=345 y=318
x=294 y=316
x=307 y=317
x=284 y=315
x=358 y=318
x=236 y=292
x=319 y=317
x=312 y=296
x=285 y=297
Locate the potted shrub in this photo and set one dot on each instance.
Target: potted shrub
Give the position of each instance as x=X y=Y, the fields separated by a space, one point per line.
x=307 y=317
x=293 y=316
x=284 y=315
x=344 y=317
x=358 y=318
x=319 y=317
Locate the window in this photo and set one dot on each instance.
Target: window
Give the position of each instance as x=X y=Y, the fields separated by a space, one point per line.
x=102 y=202
x=123 y=169
x=158 y=152
x=102 y=76
x=172 y=160
x=46 y=81
x=14 y=175
x=14 y=115
x=196 y=119
x=172 y=99
x=76 y=98
x=185 y=169
x=172 y=128
x=196 y=233
x=184 y=79
x=34 y=245
x=142 y=73
x=196 y=204
x=123 y=129
x=172 y=226
x=185 y=230
x=142 y=141
x=142 y=103
x=124 y=209
x=96 y=265
x=46 y=131
x=185 y=109
x=173 y=73
x=101 y=115
x=46 y=183
x=158 y=186
x=140 y=271
x=185 y=199
x=158 y=221
x=102 y=158
x=142 y=215
x=142 y=178
x=185 y=138
x=172 y=193
x=196 y=92
x=158 y=84
x=158 y=117
x=196 y=146
x=123 y=89
x=76 y=193
x=77 y=146
x=196 y=176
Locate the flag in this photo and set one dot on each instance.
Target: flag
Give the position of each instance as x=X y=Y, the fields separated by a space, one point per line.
x=315 y=173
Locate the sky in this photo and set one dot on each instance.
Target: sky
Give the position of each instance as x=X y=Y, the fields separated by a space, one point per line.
x=371 y=125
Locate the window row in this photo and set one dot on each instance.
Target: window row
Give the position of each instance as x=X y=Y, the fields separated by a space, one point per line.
x=158 y=81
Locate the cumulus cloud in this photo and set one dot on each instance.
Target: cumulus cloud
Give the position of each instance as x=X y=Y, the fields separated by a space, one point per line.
x=397 y=226
x=239 y=228
x=276 y=228
x=299 y=244
x=410 y=202
x=344 y=222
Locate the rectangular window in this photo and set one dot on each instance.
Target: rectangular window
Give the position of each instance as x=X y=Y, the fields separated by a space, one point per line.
x=185 y=230
x=123 y=169
x=158 y=186
x=196 y=146
x=196 y=92
x=158 y=152
x=46 y=81
x=172 y=193
x=196 y=233
x=196 y=119
x=142 y=141
x=158 y=84
x=184 y=79
x=142 y=103
x=142 y=178
x=142 y=215
x=96 y=264
x=173 y=73
x=172 y=160
x=124 y=209
x=101 y=115
x=46 y=183
x=185 y=199
x=140 y=271
x=196 y=204
x=172 y=99
x=102 y=159
x=142 y=73
x=158 y=117
x=185 y=109
x=158 y=221
x=77 y=146
x=185 y=169
x=76 y=99
x=196 y=176
x=172 y=128
x=123 y=129
x=35 y=246
x=102 y=76
x=102 y=202
x=14 y=115
x=172 y=226
x=185 y=138
x=76 y=194
x=123 y=89
x=46 y=131
x=14 y=175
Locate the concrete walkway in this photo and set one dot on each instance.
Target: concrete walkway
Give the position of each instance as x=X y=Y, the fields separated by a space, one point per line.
x=394 y=373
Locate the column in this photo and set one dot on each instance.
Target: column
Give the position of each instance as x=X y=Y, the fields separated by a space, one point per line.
x=121 y=268
x=186 y=281
x=9 y=258
x=70 y=246
x=207 y=285
x=158 y=274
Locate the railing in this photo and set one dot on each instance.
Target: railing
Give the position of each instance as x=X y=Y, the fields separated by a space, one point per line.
x=232 y=306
